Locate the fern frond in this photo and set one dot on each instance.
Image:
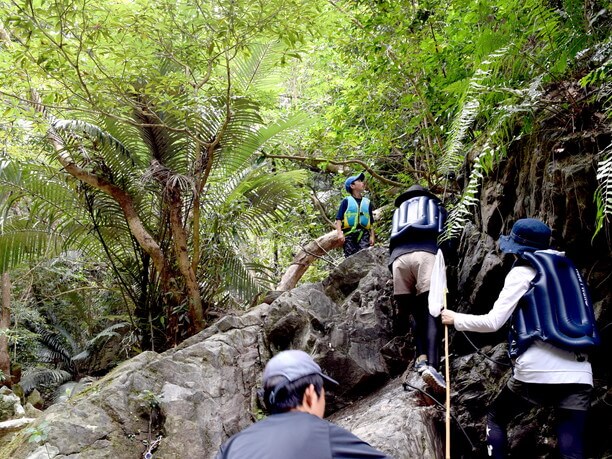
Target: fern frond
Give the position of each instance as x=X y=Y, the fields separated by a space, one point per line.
x=454 y=150
x=527 y=100
x=604 y=190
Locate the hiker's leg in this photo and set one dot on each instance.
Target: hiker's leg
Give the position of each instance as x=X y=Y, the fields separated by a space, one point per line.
x=570 y=433
x=505 y=407
x=427 y=324
x=403 y=290
x=575 y=400
x=420 y=313
x=433 y=334
x=351 y=245
x=364 y=241
x=402 y=319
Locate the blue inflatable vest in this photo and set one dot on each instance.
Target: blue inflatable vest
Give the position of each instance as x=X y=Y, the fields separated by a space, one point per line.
x=556 y=309
x=417 y=215
x=356 y=214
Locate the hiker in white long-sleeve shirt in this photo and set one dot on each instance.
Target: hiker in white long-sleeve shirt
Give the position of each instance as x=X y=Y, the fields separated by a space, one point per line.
x=550 y=372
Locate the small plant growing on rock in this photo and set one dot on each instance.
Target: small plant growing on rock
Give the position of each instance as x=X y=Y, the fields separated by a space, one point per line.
x=39 y=434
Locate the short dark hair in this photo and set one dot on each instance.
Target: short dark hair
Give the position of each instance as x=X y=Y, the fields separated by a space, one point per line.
x=280 y=395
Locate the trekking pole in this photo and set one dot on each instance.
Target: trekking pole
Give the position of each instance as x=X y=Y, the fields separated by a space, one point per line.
x=447 y=376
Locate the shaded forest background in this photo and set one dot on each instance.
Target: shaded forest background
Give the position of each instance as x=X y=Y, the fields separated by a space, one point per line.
x=163 y=163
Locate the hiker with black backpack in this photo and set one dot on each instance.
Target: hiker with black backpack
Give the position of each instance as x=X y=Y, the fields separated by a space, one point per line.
x=417 y=223
x=553 y=328
x=354 y=217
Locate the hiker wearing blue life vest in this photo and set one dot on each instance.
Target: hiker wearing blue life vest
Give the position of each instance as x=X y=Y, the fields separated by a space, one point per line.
x=553 y=328
x=354 y=217
x=294 y=396
x=417 y=222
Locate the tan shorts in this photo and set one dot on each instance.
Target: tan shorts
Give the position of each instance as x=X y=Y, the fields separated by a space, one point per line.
x=412 y=271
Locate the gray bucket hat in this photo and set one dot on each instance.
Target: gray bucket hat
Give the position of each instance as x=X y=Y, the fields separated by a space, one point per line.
x=527 y=235
x=293 y=365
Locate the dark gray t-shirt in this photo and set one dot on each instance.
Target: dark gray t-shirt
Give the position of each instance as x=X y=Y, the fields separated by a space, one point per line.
x=296 y=435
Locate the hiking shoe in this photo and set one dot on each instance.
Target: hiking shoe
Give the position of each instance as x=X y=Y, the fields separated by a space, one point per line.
x=421 y=366
x=434 y=379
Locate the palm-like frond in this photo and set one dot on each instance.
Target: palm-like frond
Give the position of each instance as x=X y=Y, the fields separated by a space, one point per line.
x=258 y=69
x=95 y=134
x=54 y=348
x=244 y=204
x=38 y=377
x=99 y=341
x=224 y=272
x=239 y=139
x=54 y=220
x=20 y=243
x=246 y=136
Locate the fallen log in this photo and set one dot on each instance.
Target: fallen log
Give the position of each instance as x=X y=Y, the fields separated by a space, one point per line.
x=305 y=257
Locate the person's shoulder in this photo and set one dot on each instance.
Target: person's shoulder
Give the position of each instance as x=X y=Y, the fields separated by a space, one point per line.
x=521 y=273
x=347 y=444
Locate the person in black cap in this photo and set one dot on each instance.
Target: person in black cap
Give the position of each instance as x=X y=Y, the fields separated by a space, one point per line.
x=354 y=217
x=417 y=223
x=294 y=395
x=544 y=374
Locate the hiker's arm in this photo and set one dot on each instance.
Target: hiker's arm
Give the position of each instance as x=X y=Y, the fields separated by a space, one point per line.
x=372 y=236
x=516 y=284
x=339 y=230
x=448 y=316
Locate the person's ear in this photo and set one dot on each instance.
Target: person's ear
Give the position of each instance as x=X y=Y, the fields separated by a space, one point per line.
x=309 y=393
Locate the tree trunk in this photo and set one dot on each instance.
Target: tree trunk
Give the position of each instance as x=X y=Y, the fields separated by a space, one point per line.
x=303 y=260
x=5 y=323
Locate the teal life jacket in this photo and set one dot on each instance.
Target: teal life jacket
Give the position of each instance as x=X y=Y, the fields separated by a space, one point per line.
x=356 y=215
x=420 y=215
x=556 y=309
